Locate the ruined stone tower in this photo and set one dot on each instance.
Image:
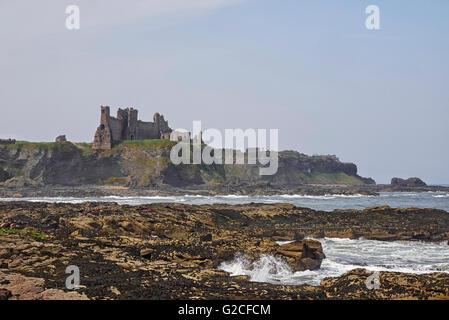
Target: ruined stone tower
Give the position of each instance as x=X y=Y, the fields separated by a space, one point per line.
x=127 y=126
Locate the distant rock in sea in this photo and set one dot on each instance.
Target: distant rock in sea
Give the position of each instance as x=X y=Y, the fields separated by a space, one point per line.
x=410 y=182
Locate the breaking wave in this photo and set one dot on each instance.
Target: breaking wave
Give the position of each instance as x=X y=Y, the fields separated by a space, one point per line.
x=343 y=255
x=437 y=200
x=441 y=196
x=267 y=269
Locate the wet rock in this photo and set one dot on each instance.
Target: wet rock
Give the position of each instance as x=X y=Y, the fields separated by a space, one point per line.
x=5 y=253
x=391 y=285
x=206 y=238
x=162 y=251
x=298 y=236
x=146 y=253
x=5 y=294
x=302 y=255
x=19 y=287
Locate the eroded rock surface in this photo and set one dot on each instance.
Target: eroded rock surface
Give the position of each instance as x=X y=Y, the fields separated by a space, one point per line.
x=171 y=251
x=392 y=285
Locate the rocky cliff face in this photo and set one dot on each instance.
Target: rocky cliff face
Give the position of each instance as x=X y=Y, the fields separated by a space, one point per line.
x=147 y=164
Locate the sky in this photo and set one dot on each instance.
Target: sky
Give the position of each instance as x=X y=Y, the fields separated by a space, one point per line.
x=377 y=98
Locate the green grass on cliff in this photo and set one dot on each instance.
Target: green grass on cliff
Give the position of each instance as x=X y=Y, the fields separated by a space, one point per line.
x=59 y=146
x=140 y=144
x=116 y=181
x=153 y=143
x=332 y=178
x=86 y=148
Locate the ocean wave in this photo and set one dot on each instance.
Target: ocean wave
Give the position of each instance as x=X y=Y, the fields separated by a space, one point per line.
x=195 y=196
x=267 y=269
x=138 y=198
x=299 y=196
x=343 y=255
x=232 y=196
x=441 y=196
x=323 y=197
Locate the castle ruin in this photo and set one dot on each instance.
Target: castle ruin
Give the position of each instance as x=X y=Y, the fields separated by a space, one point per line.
x=126 y=126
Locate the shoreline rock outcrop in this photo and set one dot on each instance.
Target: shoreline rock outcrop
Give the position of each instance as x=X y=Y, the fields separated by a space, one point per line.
x=410 y=182
x=172 y=251
x=391 y=285
x=302 y=255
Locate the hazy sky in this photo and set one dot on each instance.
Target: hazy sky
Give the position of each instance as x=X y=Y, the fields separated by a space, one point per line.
x=310 y=68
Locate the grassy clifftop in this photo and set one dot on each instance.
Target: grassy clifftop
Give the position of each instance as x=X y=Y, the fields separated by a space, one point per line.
x=146 y=163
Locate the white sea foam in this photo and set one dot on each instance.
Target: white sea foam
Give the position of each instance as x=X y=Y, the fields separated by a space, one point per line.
x=233 y=196
x=441 y=196
x=267 y=267
x=343 y=255
x=281 y=243
x=299 y=196
x=325 y=202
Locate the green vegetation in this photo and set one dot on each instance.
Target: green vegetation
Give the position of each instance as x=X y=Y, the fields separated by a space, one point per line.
x=332 y=178
x=17 y=172
x=90 y=180
x=152 y=143
x=116 y=181
x=139 y=144
x=214 y=173
x=290 y=154
x=23 y=232
x=60 y=147
x=86 y=148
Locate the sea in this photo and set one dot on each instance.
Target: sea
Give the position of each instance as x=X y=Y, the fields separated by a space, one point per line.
x=342 y=255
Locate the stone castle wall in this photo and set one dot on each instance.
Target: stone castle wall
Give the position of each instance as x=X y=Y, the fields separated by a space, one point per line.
x=126 y=126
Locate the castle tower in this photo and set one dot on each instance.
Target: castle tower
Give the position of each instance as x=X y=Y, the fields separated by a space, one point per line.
x=103 y=137
x=132 y=132
x=127 y=126
x=105 y=114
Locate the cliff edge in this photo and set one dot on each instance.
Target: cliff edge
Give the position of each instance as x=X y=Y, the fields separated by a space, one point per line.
x=146 y=163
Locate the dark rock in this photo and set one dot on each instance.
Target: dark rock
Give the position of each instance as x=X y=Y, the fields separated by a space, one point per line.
x=410 y=182
x=302 y=255
x=298 y=236
x=368 y=180
x=61 y=139
x=392 y=285
x=176 y=265
x=206 y=238
x=3 y=175
x=5 y=294
x=146 y=253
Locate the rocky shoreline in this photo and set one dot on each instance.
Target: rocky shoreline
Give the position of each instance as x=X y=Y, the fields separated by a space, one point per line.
x=248 y=190
x=172 y=251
